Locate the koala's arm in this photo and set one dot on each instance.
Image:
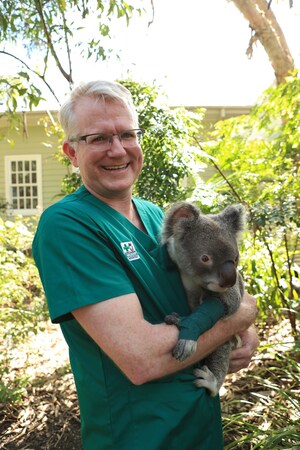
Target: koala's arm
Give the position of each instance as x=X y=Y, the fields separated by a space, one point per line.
x=224 y=330
x=238 y=323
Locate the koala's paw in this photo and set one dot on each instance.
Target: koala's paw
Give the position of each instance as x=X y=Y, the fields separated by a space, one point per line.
x=206 y=379
x=172 y=319
x=184 y=349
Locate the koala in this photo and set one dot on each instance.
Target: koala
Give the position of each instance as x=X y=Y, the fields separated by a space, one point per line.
x=205 y=250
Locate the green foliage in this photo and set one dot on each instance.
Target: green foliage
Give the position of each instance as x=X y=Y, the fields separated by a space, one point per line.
x=70 y=183
x=49 y=25
x=16 y=88
x=49 y=33
x=22 y=302
x=268 y=417
x=22 y=307
x=12 y=390
x=257 y=160
x=166 y=145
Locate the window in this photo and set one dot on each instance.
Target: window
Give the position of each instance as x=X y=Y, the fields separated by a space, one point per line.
x=24 y=183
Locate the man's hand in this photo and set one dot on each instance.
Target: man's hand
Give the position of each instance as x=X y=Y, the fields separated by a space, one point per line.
x=240 y=358
x=247 y=312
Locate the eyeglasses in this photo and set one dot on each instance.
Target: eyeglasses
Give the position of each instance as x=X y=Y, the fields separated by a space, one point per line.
x=103 y=141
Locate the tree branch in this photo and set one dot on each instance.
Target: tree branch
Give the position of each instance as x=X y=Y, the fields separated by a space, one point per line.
x=67 y=45
x=285 y=305
x=153 y=11
x=50 y=44
x=235 y=193
x=42 y=77
x=266 y=28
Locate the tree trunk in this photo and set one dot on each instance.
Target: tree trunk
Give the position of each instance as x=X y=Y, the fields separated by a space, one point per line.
x=267 y=30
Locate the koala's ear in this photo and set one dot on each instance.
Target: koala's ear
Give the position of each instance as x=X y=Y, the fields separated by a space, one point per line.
x=234 y=217
x=175 y=214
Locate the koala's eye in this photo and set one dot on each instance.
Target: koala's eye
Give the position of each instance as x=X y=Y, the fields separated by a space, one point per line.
x=205 y=258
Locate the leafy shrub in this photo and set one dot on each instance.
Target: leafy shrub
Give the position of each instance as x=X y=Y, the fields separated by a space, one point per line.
x=267 y=415
x=22 y=308
x=22 y=301
x=256 y=158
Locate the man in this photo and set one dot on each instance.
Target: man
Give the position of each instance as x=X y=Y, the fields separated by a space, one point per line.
x=109 y=284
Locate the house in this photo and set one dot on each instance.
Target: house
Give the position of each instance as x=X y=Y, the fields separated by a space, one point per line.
x=31 y=175
x=215 y=113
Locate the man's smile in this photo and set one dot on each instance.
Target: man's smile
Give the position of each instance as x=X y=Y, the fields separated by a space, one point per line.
x=123 y=166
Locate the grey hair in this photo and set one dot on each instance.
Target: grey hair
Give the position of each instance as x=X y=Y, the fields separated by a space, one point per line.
x=99 y=89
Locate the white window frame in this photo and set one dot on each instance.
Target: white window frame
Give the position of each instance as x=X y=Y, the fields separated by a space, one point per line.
x=11 y=187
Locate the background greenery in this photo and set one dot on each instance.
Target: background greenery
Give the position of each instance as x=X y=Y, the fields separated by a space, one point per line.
x=256 y=159
x=256 y=162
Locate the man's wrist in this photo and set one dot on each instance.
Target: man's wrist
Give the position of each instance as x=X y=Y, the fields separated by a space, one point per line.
x=241 y=320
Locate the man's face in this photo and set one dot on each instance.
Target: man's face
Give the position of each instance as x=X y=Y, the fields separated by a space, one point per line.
x=110 y=173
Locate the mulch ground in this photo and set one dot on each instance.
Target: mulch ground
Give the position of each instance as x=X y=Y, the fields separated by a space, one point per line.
x=47 y=415
x=47 y=419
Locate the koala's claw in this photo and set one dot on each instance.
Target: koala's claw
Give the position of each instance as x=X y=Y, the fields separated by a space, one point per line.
x=184 y=348
x=172 y=319
x=206 y=379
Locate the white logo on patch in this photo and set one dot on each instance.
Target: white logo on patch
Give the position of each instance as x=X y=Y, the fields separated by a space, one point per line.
x=129 y=250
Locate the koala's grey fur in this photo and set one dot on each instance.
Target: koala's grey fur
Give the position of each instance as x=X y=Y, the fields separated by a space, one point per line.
x=205 y=249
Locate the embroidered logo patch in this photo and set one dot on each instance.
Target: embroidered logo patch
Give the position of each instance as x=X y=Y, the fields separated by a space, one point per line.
x=129 y=250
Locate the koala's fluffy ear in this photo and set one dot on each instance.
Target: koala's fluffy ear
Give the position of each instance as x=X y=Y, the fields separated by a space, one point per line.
x=178 y=212
x=234 y=218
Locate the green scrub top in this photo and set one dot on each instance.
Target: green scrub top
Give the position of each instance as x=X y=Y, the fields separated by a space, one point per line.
x=87 y=252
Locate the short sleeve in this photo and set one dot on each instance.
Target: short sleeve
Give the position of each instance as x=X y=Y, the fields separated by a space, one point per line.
x=77 y=264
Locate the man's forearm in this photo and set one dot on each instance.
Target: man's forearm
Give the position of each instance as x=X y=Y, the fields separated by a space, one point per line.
x=220 y=333
x=143 y=351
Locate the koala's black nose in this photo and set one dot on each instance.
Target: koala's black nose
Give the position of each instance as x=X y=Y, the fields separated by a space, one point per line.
x=227 y=274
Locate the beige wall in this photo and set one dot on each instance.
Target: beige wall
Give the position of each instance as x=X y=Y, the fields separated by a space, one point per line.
x=35 y=143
